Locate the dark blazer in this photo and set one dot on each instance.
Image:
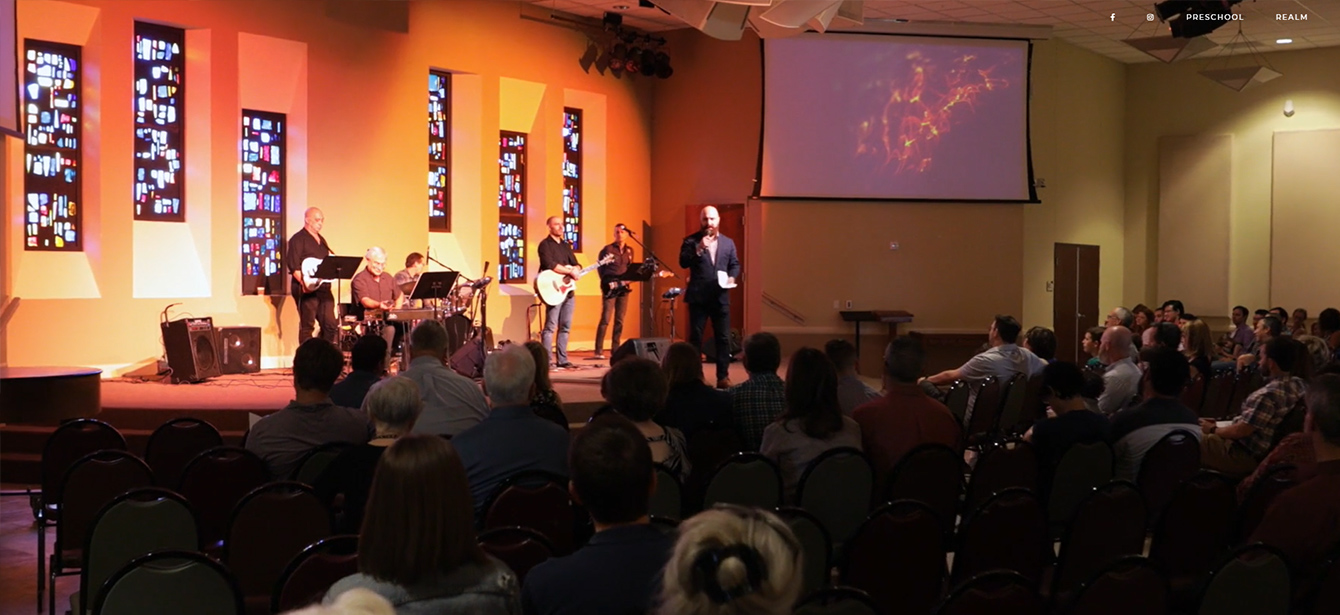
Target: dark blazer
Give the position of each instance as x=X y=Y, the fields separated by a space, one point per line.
x=703 y=286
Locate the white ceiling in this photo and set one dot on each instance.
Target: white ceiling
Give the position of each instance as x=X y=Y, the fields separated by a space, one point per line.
x=1084 y=23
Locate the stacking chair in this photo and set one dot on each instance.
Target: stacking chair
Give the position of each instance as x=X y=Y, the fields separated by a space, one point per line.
x=708 y=448
x=1008 y=532
x=171 y=583
x=1324 y=598
x=1173 y=459
x=135 y=523
x=931 y=474
x=957 y=400
x=1012 y=407
x=315 y=461
x=1194 y=530
x=1000 y=592
x=1218 y=394
x=898 y=557
x=814 y=543
x=1193 y=394
x=521 y=548
x=214 y=482
x=174 y=444
x=668 y=499
x=312 y=572
x=269 y=527
x=985 y=413
x=836 y=488
x=1005 y=465
x=1107 y=525
x=837 y=601
x=1252 y=580
x=747 y=479
x=537 y=500
x=1127 y=585
x=1083 y=468
x=1274 y=481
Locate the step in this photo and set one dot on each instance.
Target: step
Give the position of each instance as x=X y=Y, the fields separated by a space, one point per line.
x=23 y=468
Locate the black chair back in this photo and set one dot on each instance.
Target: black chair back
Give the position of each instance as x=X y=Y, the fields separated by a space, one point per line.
x=135 y=523
x=1252 y=580
x=314 y=462
x=521 y=548
x=1107 y=525
x=1275 y=480
x=898 y=557
x=1083 y=468
x=269 y=527
x=836 y=487
x=70 y=443
x=1173 y=459
x=837 y=600
x=1127 y=585
x=814 y=542
x=668 y=499
x=1008 y=532
x=214 y=482
x=309 y=575
x=999 y=592
x=1005 y=465
x=170 y=583
x=747 y=479
x=1194 y=529
x=174 y=444
x=931 y=474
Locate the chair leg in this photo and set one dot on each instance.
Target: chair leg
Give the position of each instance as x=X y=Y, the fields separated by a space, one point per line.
x=51 y=586
x=41 y=559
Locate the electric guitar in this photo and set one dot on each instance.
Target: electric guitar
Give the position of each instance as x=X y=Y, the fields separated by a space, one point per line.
x=309 y=283
x=553 y=287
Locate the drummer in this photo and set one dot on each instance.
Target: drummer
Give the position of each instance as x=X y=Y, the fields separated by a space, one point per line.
x=406 y=278
x=374 y=289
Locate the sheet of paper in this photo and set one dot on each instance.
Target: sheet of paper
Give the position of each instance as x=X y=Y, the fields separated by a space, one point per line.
x=724 y=280
x=1222 y=424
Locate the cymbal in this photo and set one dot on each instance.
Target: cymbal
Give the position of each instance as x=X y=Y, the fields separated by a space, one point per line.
x=407 y=287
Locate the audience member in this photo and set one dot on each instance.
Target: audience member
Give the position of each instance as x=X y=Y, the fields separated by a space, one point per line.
x=758 y=401
x=1138 y=429
x=619 y=569
x=1236 y=449
x=1120 y=317
x=417 y=546
x=1329 y=323
x=852 y=391
x=905 y=417
x=311 y=419
x=1121 y=379
x=368 y=363
x=1283 y=316
x=393 y=406
x=1172 y=311
x=691 y=405
x=1268 y=328
x=1165 y=334
x=1298 y=323
x=1092 y=389
x=1041 y=341
x=512 y=438
x=1143 y=319
x=732 y=560
x=1093 y=338
x=1318 y=354
x=637 y=390
x=813 y=422
x=452 y=403
x=545 y=401
x=1073 y=424
x=357 y=601
x=1304 y=521
x=1003 y=359
x=1198 y=348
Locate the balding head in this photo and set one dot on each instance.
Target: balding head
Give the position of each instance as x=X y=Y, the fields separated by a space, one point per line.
x=1116 y=344
x=313 y=220
x=710 y=219
x=509 y=376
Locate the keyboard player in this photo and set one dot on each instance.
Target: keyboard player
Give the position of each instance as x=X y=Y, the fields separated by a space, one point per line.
x=376 y=292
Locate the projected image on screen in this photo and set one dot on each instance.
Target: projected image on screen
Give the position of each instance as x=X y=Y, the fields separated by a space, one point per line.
x=884 y=117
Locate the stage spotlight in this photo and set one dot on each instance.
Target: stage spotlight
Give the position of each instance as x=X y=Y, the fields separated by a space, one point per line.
x=588 y=59
x=648 y=63
x=634 y=62
x=663 y=68
x=1171 y=8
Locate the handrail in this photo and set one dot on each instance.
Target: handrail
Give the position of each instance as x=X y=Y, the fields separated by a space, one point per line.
x=785 y=309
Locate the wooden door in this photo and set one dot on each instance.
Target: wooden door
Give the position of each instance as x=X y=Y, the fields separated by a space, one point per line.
x=1074 y=296
x=732 y=225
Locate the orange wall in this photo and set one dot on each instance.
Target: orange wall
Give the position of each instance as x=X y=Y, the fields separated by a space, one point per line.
x=357 y=98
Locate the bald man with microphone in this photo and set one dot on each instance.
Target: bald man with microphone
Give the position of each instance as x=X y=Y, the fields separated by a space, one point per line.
x=711 y=260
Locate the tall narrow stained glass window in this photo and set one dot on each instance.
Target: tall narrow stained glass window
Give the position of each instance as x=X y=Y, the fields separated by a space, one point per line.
x=263 y=172
x=160 y=79
x=439 y=151
x=52 y=180
x=572 y=177
x=511 y=207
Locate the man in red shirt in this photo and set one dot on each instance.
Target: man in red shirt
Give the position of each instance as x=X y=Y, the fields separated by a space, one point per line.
x=905 y=417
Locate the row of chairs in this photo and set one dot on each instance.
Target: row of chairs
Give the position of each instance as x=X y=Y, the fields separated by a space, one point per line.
x=1222 y=394
x=1000 y=409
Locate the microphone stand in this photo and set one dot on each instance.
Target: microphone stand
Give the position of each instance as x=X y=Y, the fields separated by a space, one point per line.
x=649 y=255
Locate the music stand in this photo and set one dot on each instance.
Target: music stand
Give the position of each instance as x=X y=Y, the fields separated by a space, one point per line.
x=638 y=272
x=338 y=268
x=432 y=283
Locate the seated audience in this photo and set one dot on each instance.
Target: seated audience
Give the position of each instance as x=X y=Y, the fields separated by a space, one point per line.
x=732 y=560
x=1093 y=338
x=852 y=391
x=512 y=438
x=1329 y=324
x=691 y=404
x=1121 y=379
x=1092 y=389
x=636 y=389
x=758 y=401
x=813 y=422
x=1319 y=355
x=1268 y=328
x=1041 y=341
x=452 y=403
x=1298 y=323
x=1304 y=521
x=1003 y=359
x=1198 y=346
x=619 y=569
x=1073 y=424
x=1119 y=317
x=905 y=417
x=417 y=546
x=1236 y=449
x=357 y=601
x=1143 y=318
x=545 y=400
x=1172 y=311
x=1283 y=316
x=1164 y=334
x=368 y=360
x=1138 y=429
x=310 y=420
x=393 y=405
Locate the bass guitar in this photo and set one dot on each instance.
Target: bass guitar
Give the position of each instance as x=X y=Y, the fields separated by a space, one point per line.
x=554 y=287
x=311 y=284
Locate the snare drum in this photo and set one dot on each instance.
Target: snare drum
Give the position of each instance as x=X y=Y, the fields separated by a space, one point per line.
x=461 y=297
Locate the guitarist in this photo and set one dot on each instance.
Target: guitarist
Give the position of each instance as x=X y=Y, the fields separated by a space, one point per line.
x=613 y=290
x=556 y=255
x=705 y=253
x=314 y=303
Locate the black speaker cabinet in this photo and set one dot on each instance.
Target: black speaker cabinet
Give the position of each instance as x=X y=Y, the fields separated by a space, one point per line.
x=239 y=349
x=653 y=348
x=189 y=343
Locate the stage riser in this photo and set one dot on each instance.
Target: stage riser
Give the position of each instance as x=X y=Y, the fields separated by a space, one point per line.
x=22 y=444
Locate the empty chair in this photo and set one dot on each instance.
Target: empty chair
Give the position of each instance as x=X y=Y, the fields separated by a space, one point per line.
x=932 y=474
x=748 y=479
x=956 y=399
x=1324 y=599
x=268 y=528
x=310 y=574
x=1083 y=468
x=898 y=557
x=814 y=543
x=1107 y=525
x=1126 y=586
x=214 y=482
x=1193 y=394
x=1218 y=394
x=521 y=548
x=708 y=449
x=1012 y=407
x=171 y=583
x=537 y=500
x=1008 y=532
x=315 y=461
x=837 y=601
x=985 y=411
x=836 y=488
x=1252 y=580
x=668 y=499
x=1247 y=381
x=135 y=523
x=1256 y=502
x=1194 y=529
x=999 y=592
x=174 y=444
x=89 y=485
x=1006 y=465
x=1173 y=459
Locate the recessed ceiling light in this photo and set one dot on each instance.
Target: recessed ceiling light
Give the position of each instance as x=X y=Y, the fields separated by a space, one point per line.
x=621 y=7
x=1283 y=41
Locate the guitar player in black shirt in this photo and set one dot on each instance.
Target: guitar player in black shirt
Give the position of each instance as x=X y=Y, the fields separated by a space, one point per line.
x=614 y=292
x=314 y=300
x=556 y=255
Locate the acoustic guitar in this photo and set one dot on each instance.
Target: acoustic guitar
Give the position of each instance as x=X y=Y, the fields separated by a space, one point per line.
x=554 y=287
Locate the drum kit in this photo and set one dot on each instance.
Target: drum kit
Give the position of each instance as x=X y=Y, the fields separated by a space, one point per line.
x=455 y=310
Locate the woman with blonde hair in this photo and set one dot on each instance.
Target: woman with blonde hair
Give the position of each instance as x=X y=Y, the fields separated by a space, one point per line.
x=1198 y=346
x=732 y=560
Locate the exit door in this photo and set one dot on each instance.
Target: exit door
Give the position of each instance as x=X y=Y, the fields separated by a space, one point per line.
x=1074 y=297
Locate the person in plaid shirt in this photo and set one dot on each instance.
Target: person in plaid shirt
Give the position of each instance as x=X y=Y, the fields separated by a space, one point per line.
x=1237 y=449
x=758 y=401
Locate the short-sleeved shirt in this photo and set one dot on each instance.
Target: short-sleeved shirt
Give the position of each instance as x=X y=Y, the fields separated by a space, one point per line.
x=1244 y=336
x=1003 y=362
x=618 y=266
x=379 y=289
x=1264 y=409
x=903 y=419
x=303 y=246
x=283 y=438
x=554 y=252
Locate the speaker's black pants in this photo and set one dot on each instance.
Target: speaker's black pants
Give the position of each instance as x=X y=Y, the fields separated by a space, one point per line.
x=719 y=313
x=317 y=307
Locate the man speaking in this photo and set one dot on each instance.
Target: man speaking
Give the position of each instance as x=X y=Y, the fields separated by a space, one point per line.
x=713 y=266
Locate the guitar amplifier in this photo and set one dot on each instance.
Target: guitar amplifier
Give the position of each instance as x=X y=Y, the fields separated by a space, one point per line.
x=189 y=343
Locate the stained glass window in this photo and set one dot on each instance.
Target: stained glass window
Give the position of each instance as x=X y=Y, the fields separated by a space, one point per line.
x=263 y=164
x=53 y=112
x=160 y=79
x=572 y=177
x=439 y=151
x=511 y=207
